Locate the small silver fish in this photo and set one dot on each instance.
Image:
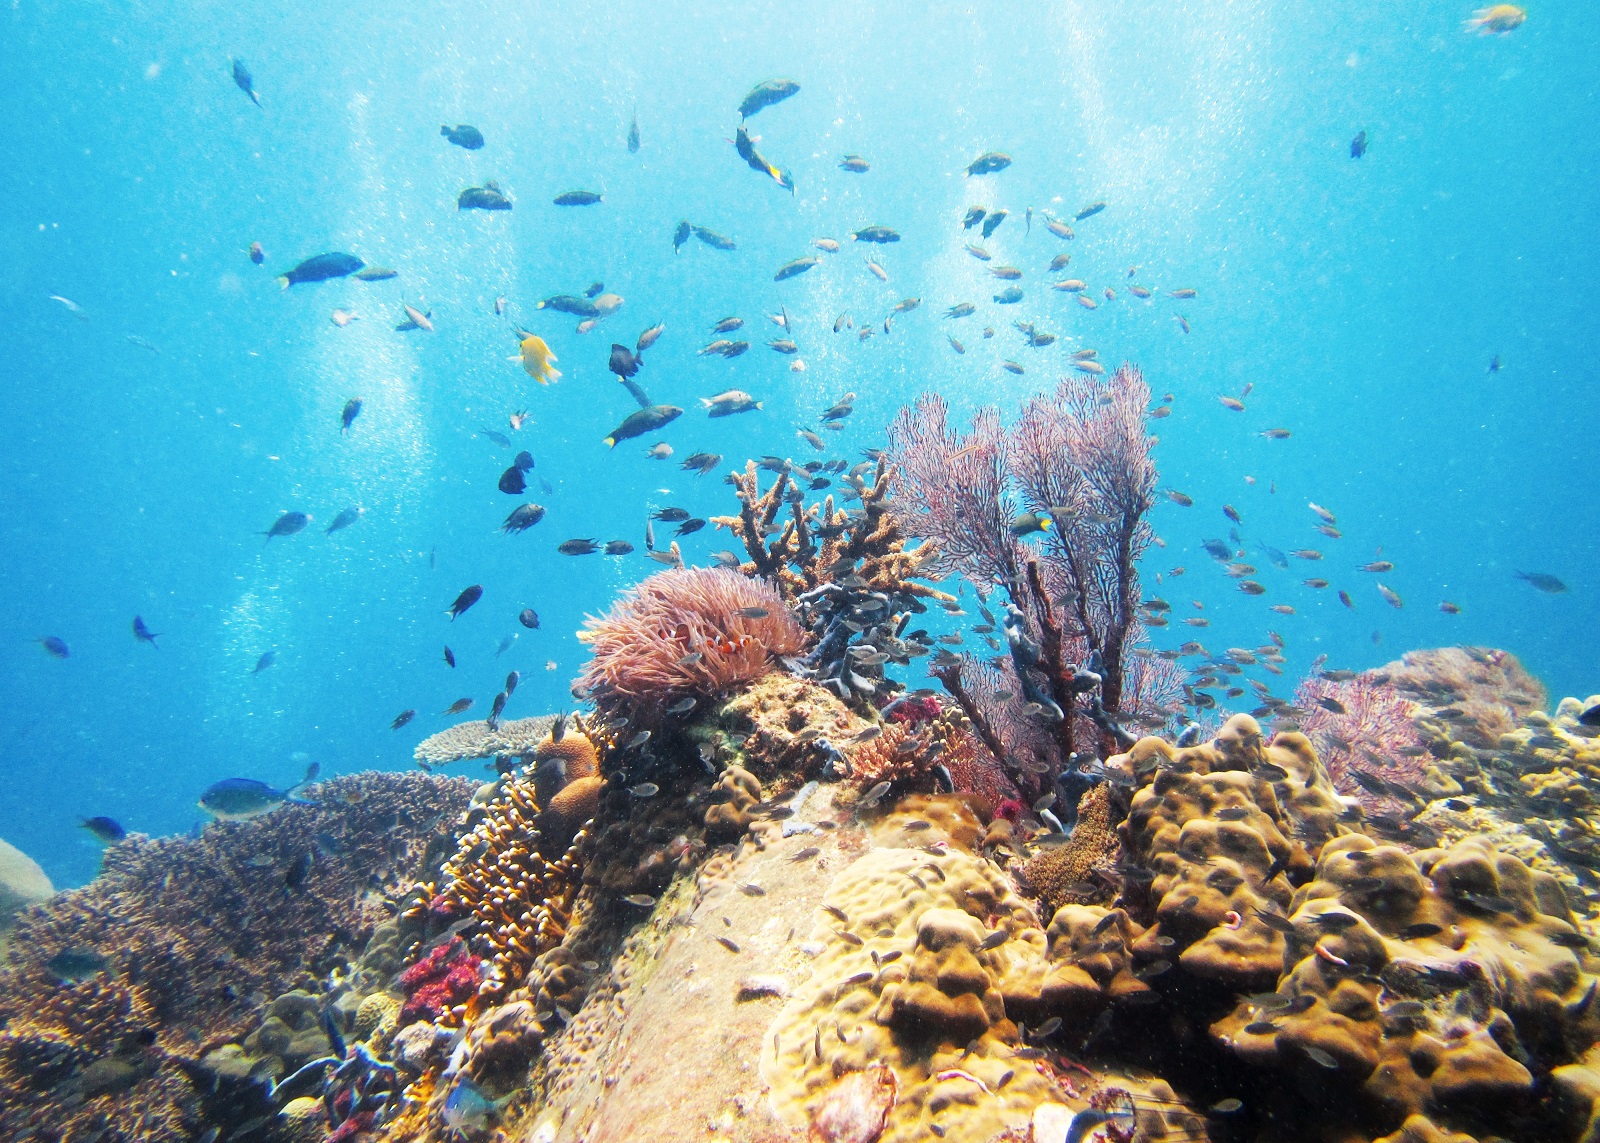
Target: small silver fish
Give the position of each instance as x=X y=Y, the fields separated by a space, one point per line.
x=644 y=789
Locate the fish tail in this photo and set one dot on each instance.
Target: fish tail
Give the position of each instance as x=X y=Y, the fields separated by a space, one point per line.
x=443 y=130
x=283 y=281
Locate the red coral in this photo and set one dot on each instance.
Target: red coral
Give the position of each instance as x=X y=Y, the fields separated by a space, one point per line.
x=916 y=708
x=690 y=631
x=447 y=976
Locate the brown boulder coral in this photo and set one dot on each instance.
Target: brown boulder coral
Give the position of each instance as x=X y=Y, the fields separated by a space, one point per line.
x=1080 y=869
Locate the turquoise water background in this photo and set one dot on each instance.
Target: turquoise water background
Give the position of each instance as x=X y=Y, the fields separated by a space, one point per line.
x=1362 y=299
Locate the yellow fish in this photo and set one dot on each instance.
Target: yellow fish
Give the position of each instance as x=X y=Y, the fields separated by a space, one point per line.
x=1499 y=18
x=537 y=360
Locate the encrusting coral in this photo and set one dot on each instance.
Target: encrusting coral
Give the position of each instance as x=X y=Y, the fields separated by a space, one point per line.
x=121 y=987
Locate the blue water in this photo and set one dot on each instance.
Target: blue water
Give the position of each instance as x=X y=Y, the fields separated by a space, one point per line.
x=1363 y=300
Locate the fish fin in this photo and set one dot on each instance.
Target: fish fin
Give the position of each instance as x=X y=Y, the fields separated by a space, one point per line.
x=283 y=281
x=611 y=442
x=758 y=404
x=554 y=374
x=706 y=402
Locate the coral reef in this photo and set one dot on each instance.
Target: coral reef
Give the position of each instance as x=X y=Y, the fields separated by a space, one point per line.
x=172 y=950
x=1078 y=462
x=480 y=739
x=788 y=727
x=687 y=632
x=1483 y=693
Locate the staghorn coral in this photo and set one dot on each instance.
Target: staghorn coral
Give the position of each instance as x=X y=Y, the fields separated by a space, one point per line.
x=1080 y=459
x=847 y=574
x=520 y=898
x=189 y=931
x=685 y=632
x=480 y=739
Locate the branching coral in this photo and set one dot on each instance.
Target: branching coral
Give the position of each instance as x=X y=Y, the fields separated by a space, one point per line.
x=520 y=896
x=1480 y=692
x=1079 y=462
x=848 y=574
x=175 y=937
x=686 y=632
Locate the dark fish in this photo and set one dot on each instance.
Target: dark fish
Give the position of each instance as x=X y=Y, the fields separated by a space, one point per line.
x=578 y=548
x=299 y=869
x=988 y=163
x=578 y=198
x=973 y=216
x=1543 y=581
x=1590 y=717
x=342 y=521
x=512 y=680
x=458 y=707
x=992 y=223
x=568 y=304
x=287 y=525
x=1217 y=550
x=352 y=410
x=244 y=81
x=513 y=482
x=1089 y=211
x=1332 y=705
x=689 y=527
x=671 y=515
x=498 y=706
x=643 y=421
x=618 y=548
x=320 y=268
x=765 y=94
x=465 y=600
x=702 y=462
x=879 y=234
x=529 y=618
x=714 y=240
x=1358 y=145
x=402 y=718
x=496 y=436
x=487 y=197
x=623 y=361
x=266 y=660
x=681 y=235
x=523 y=461
x=235 y=799
x=1009 y=296
x=463 y=135
x=633 y=135
x=257 y=255
x=523 y=517
x=76 y=965
x=449 y=656
x=791 y=269
x=143 y=633
x=105 y=829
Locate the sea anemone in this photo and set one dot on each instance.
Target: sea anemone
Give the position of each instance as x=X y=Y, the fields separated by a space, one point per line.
x=689 y=631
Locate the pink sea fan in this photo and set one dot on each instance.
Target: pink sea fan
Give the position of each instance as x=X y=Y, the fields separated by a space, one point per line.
x=1374 y=737
x=689 y=631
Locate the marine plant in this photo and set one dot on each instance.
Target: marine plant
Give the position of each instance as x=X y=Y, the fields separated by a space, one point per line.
x=686 y=632
x=1076 y=472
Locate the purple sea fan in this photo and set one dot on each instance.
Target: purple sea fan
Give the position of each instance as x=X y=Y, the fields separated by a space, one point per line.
x=689 y=631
